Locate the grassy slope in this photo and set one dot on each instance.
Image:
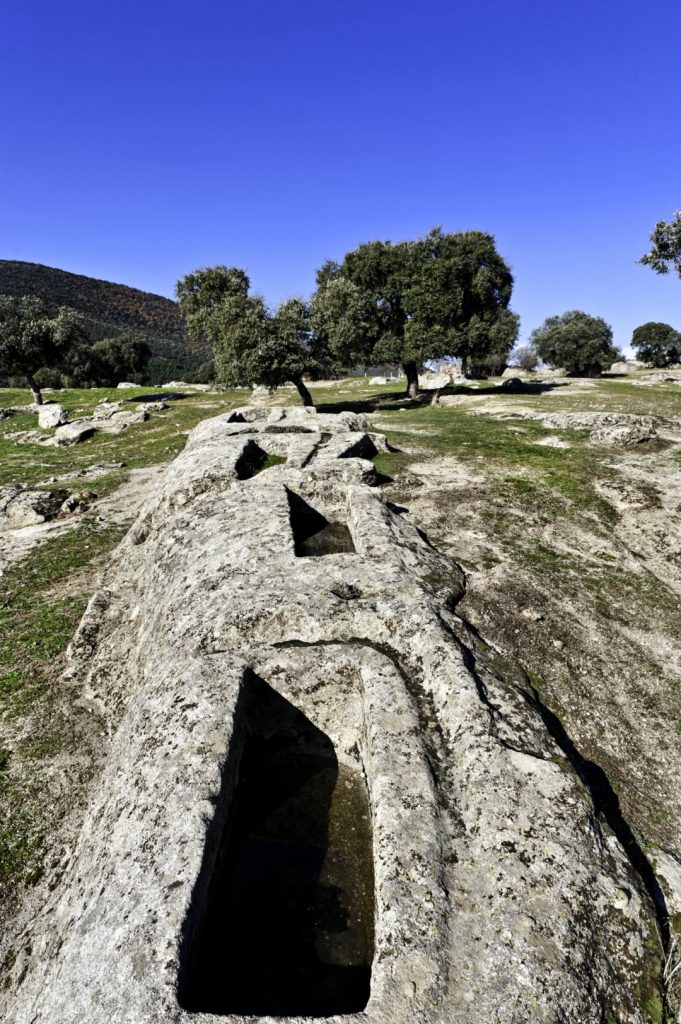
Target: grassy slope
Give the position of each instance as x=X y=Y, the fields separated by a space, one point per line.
x=548 y=540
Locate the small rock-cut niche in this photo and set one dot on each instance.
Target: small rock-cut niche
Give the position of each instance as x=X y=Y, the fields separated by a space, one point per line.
x=281 y=922
x=254 y=460
x=363 y=448
x=313 y=534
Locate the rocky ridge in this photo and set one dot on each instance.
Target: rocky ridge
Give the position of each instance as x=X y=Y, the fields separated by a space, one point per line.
x=507 y=886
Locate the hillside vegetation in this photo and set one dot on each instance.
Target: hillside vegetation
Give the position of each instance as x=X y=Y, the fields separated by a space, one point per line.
x=112 y=310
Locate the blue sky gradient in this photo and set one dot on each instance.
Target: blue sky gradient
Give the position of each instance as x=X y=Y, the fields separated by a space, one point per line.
x=141 y=140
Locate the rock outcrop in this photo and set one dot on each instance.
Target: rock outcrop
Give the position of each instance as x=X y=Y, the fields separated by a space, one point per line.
x=107 y=418
x=20 y=506
x=51 y=415
x=287 y=601
x=71 y=433
x=519 y=372
x=626 y=366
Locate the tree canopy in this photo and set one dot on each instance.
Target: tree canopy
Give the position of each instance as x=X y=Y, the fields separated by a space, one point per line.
x=252 y=344
x=122 y=358
x=525 y=357
x=445 y=294
x=657 y=344
x=579 y=342
x=665 y=253
x=30 y=339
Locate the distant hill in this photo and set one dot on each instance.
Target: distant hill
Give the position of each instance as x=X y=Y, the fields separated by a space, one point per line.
x=111 y=310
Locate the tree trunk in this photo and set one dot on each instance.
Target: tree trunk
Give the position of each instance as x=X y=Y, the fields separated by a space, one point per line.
x=35 y=390
x=411 y=371
x=303 y=392
x=464 y=365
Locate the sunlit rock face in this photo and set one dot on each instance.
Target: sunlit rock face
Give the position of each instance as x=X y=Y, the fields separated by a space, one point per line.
x=321 y=794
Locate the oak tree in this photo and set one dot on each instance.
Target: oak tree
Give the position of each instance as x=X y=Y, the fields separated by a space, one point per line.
x=443 y=295
x=577 y=341
x=657 y=344
x=30 y=339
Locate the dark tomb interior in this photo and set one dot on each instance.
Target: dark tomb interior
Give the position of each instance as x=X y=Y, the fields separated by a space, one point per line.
x=251 y=461
x=285 y=925
x=313 y=534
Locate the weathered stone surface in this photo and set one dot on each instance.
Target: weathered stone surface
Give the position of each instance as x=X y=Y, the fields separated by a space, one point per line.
x=668 y=870
x=183 y=384
x=21 y=507
x=626 y=366
x=448 y=374
x=28 y=437
x=120 y=421
x=517 y=371
x=596 y=420
x=503 y=892
x=612 y=428
x=126 y=384
x=52 y=415
x=91 y=472
x=556 y=372
x=624 y=435
x=105 y=410
x=152 y=406
x=261 y=395
x=433 y=381
x=72 y=433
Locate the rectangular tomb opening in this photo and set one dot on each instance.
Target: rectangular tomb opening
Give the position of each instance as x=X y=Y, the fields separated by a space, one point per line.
x=285 y=926
x=313 y=534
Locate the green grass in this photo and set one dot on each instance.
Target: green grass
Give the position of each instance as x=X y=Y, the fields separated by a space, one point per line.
x=36 y=624
x=549 y=477
x=532 y=486
x=158 y=439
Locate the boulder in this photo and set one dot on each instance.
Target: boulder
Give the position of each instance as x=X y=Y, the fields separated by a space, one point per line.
x=626 y=366
x=184 y=385
x=614 y=428
x=127 y=384
x=52 y=415
x=434 y=381
x=518 y=372
x=105 y=410
x=72 y=433
x=663 y=377
x=151 y=406
x=623 y=436
x=446 y=400
x=21 y=506
x=378 y=380
x=120 y=421
x=76 y=503
x=261 y=395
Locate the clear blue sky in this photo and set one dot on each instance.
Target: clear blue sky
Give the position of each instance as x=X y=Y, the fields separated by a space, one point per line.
x=140 y=140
